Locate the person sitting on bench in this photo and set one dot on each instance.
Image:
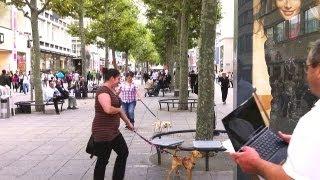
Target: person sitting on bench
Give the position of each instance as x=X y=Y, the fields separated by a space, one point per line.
x=65 y=94
x=52 y=94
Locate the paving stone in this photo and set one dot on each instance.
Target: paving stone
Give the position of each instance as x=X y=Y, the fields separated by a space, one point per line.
x=19 y=167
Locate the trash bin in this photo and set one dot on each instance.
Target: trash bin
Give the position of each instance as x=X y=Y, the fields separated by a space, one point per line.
x=5 y=108
x=25 y=107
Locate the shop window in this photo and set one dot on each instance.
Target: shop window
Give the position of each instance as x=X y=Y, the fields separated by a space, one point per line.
x=311 y=22
x=294 y=27
x=280 y=34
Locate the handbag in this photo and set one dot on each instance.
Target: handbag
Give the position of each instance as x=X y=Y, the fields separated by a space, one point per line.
x=90 y=147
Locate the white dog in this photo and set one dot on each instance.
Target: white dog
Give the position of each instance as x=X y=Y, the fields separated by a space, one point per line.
x=161 y=125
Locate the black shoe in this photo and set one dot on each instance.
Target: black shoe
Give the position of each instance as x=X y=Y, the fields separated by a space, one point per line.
x=74 y=108
x=69 y=107
x=58 y=112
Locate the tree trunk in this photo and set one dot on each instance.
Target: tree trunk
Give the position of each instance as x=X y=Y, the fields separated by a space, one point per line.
x=31 y=75
x=205 y=111
x=114 y=61
x=183 y=90
x=106 y=62
x=177 y=55
x=82 y=39
x=35 y=63
x=147 y=67
x=170 y=58
x=127 y=62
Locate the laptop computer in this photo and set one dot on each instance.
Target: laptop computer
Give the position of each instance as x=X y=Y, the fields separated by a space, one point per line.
x=246 y=126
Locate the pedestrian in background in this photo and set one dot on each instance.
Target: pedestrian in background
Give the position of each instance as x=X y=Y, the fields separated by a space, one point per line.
x=129 y=95
x=5 y=79
x=26 y=83
x=105 y=128
x=15 y=81
x=192 y=80
x=224 y=83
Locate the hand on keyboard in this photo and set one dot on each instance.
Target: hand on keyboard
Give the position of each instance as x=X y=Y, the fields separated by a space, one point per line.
x=285 y=137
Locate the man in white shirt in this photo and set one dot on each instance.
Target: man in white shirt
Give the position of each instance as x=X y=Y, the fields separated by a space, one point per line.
x=303 y=159
x=52 y=94
x=155 y=75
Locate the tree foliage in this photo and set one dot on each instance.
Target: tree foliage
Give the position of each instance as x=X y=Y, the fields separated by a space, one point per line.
x=119 y=29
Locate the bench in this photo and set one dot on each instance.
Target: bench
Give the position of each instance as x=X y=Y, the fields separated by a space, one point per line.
x=93 y=91
x=175 y=101
x=33 y=103
x=196 y=146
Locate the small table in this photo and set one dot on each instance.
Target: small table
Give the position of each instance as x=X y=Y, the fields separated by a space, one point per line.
x=206 y=147
x=165 y=142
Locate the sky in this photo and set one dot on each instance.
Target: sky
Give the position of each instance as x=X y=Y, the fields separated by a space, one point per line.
x=143 y=9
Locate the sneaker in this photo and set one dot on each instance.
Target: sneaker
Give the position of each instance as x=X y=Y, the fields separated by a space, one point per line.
x=74 y=108
x=69 y=107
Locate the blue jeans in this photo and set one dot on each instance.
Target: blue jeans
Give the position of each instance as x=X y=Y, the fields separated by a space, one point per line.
x=25 y=88
x=129 y=110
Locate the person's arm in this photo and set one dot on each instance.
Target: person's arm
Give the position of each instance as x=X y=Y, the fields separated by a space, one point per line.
x=125 y=119
x=105 y=101
x=271 y=171
x=250 y=162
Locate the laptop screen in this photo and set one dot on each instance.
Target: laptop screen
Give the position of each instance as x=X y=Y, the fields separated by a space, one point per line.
x=242 y=123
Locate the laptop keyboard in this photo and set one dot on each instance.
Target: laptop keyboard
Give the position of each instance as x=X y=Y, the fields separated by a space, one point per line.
x=267 y=144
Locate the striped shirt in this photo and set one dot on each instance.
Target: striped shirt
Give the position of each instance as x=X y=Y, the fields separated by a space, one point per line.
x=128 y=92
x=105 y=127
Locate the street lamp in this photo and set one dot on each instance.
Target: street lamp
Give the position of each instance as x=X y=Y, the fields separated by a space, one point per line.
x=1 y=38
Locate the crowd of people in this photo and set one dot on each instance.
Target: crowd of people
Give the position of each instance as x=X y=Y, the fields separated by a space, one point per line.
x=156 y=80
x=17 y=81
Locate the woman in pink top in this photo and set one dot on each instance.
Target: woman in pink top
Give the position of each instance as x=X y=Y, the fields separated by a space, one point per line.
x=129 y=96
x=15 y=82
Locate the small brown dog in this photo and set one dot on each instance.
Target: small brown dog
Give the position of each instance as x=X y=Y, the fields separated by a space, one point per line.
x=187 y=162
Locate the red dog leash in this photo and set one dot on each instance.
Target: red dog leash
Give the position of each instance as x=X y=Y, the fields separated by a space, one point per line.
x=149 y=142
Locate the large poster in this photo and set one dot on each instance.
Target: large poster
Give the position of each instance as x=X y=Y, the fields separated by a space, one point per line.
x=21 y=62
x=274 y=38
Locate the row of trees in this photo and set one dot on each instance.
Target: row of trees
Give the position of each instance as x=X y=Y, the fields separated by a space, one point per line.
x=114 y=21
x=180 y=25
x=174 y=27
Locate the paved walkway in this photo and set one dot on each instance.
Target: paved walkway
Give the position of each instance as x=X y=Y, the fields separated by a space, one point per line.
x=50 y=146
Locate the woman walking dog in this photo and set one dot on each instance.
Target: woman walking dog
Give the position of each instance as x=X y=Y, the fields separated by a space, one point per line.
x=105 y=128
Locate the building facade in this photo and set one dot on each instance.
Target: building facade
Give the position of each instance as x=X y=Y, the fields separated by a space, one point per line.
x=55 y=42
x=14 y=52
x=224 y=38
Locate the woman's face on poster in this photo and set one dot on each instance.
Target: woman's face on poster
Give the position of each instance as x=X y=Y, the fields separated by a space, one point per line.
x=288 y=8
